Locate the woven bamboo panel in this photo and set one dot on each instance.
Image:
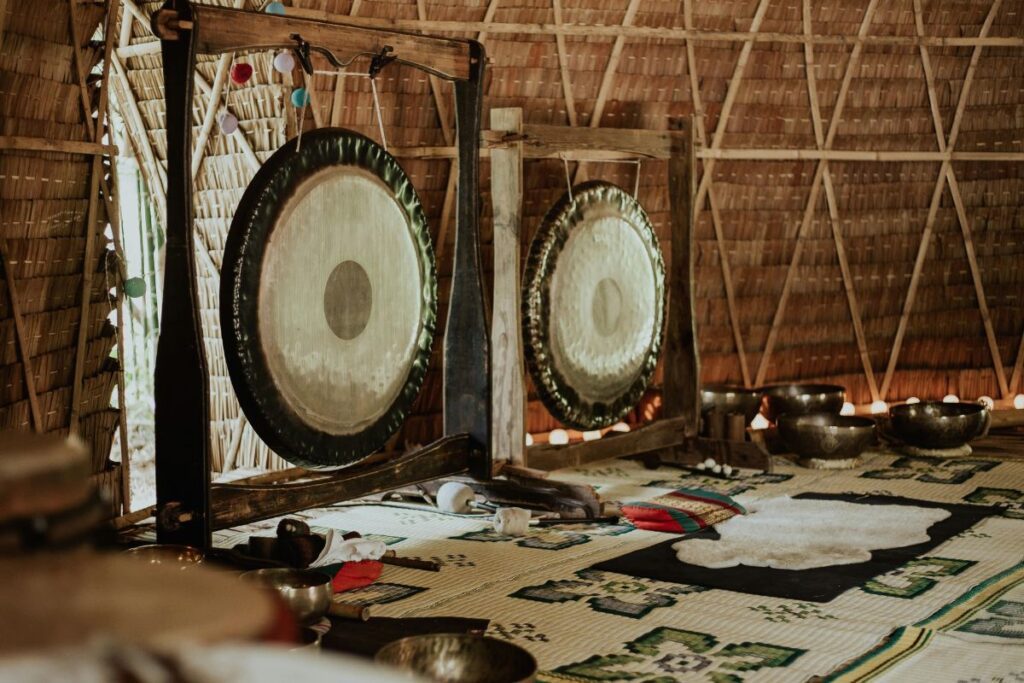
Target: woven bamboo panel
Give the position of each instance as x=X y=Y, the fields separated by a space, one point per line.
x=882 y=207
x=44 y=208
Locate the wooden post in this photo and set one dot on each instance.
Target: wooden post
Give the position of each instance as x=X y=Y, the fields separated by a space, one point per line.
x=508 y=401
x=681 y=391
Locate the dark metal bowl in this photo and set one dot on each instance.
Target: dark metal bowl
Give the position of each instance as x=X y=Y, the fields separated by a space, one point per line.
x=932 y=424
x=727 y=399
x=306 y=592
x=460 y=658
x=802 y=399
x=826 y=436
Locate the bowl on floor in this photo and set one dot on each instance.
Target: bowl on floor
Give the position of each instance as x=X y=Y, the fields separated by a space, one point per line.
x=306 y=592
x=726 y=399
x=802 y=399
x=460 y=658
x=834 y=440
x=936 y=425
x=182 y=556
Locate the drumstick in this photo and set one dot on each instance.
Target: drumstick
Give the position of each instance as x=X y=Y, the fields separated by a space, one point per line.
x=427 y=565
x=346 y=611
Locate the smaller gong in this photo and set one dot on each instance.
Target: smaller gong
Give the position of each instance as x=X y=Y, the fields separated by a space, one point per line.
x=593 y=305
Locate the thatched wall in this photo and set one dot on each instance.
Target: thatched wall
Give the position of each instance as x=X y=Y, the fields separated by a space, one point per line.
x=49 y=289
x=772 y=222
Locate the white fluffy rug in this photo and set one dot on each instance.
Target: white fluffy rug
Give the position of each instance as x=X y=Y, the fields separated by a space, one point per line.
x=788 y=533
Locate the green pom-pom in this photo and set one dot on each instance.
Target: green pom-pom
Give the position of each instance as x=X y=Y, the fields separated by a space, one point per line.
x=300 y=98
x=134 y=287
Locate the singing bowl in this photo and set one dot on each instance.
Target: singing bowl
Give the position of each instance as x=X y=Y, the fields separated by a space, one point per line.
x=802 y=399
x=183 y=556
x=932 y=424
x=460 y=658
x=826 y=436
x=724 y=398
x=307 y=593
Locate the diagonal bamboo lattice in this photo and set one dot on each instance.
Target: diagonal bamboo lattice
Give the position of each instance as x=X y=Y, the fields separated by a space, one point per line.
x=591 y=68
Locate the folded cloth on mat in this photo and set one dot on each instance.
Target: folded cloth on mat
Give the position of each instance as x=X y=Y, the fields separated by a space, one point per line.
x=353 y=575
x=682 y=511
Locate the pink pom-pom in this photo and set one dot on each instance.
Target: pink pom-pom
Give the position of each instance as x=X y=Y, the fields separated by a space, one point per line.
x=228 y=123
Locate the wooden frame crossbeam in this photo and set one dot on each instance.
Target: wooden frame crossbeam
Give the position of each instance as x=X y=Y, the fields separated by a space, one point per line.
x=230 y=30
x=946 y=147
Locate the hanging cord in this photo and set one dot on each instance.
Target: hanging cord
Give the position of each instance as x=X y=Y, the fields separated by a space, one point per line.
x=302 y=120
x=568 y=179
x=380 y=118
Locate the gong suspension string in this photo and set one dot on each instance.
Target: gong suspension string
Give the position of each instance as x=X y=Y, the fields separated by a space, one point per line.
x=568 y=178
x=634 y=162
x=340 y=73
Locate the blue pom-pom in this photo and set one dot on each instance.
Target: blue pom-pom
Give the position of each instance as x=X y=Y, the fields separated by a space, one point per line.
x=274 y=8
x=300 y=98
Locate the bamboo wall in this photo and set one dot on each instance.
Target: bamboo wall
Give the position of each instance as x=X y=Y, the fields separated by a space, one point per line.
x=56 y=373
x=828 y=247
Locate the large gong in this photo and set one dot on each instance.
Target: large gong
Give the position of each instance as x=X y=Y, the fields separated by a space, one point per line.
x=328 y=299
x=593 y=305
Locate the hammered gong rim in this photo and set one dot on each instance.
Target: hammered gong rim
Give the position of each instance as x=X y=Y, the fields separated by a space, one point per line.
x=557 y=394
x=256 y=217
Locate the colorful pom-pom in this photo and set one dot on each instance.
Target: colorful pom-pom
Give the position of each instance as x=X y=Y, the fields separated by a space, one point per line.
x=228 y=123
x=134 y=287
x=300 y=98
x=241 y=73
x=284 y=62
x=274 y=8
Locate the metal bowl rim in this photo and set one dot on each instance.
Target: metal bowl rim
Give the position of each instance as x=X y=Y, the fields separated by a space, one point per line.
x=382 y=658
x=801 y=388
x=805 y=421
x=973 y=410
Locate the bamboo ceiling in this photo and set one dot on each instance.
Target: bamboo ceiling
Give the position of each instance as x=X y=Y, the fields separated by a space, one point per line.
x=860 y=204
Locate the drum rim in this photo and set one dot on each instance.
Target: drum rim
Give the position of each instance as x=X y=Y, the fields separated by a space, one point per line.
x=277 y=425
x=554 y=391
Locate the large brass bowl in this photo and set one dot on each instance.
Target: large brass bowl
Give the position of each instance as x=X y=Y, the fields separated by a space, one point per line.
x=307 y=593
x=725 y=398
x=802 y=399
x=826 y=436
x=460 y=658
x=932 y=424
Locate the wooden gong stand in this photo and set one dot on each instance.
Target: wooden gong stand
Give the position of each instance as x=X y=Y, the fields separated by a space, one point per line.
x=674 y=436
x=188 y=506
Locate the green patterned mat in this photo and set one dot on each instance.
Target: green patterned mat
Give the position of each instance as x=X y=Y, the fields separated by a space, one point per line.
x=588 y=626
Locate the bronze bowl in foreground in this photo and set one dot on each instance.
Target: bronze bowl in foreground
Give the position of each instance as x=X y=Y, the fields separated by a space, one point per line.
x=184 y=556
x=460 y=658
x=932 y=424
x=725 y=398
x=307 y=593
x=802 y=399
x=826 y=436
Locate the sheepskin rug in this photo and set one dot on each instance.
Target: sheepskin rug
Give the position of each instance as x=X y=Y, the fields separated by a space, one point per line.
x=790 y=533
